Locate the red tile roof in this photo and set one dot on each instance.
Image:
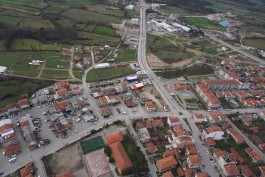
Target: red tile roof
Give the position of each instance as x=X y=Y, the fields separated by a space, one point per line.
x=151 y=147
x=166 y=163
x=171 y=152
x=67 y=173
x=194 y=159
x=180 y=171
x=61 y=92
x=201 y=174
x=220 y=153
x=238 y=138
x=121 y=158
x=27 y=170
x=113 y=138
x=231 y=169
x=12 y=149
x=246 y=171
x=213 y=129
x=60 y=105
x=210 y=141
x=168 y=174
x=23 y=102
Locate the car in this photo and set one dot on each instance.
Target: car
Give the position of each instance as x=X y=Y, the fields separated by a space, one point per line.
x=45 y=141
x=1 y=173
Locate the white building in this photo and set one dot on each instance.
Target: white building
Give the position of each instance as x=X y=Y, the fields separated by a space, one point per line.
x=6 y=129
x=102 y=65
x=214 y=132
x=129 y=7
x=3 y=70
x=184 y=28
x=135 y=21
x=144 y=135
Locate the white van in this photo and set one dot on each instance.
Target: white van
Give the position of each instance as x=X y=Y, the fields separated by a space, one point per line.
x=12 y=160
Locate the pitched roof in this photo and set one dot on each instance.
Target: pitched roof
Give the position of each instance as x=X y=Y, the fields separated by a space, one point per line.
x=13 y=148
x=231 y=169
x=236 y=135
x=194 y=159
x=168 y=174
x=216 y=116
x=121 y=158
x=201 y=174
x=174 y=119
x=180 y=171
x=150 y=146
x=60 y=105
x=253 y=154
x=61 y=92
x=165 y=163
x=113 y=138
x=220 y=153
x=178 y=128
x=67 y=173
x=246 y=171
x=191 y=149
x=213 y=129
x=210 y=141
x=171 y=152
x=27 y=170
x=23 y=102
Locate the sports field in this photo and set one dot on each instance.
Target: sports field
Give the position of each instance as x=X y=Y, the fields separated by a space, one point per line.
x=92 y=144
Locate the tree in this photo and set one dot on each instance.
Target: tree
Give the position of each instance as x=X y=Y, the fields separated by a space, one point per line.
x=107 y=151
x=111 y=160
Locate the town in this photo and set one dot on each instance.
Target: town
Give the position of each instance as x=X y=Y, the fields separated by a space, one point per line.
x=154 y=96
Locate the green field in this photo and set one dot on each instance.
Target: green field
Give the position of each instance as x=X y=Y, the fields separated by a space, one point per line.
x=12 y=88
x=9 y=20
x=126 y=55
x=92 y=144
x=2 y=45
x=108 y=73
x=33 y=45
x=197 y=69
x=53 y=60
x=173 y=56
x=203 y=23
x=210 y=50
x=78 y=73
x=105 y=31
x=34 y=24
x=257 y=43
x=55 y=74
x=87 y=16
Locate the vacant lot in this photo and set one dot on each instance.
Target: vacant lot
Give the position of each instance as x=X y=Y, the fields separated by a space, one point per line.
x=87 y=16
x=56 y=60
x=108 y=73
x=197 y=69
x=105 y=31
x=204 y=23
x=55 y=74
x=126 y=55
x=9 y=20
x=257 y=43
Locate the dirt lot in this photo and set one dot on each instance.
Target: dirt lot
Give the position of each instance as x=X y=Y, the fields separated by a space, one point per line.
x=155 y=63
x=202 y=77
x=70 y=157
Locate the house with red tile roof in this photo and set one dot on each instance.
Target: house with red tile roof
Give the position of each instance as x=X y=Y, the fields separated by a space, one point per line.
x=236 y=136
x=168 y=174
x=201 y=174
x=27 y=170
x=150 y=106
x=208 y=96
x=173 y=121
x=113 y=138
x=214 y=132
x=171 y=152
x=11 y=147
x=219 y=153
x=61 y=85
x=61 y=94
x=166 y=163
x=216 y=117
x=180 y=140
x=59 y=106
x=262 y=146
x=194 y=161
x=191 y=150
x=255 y=156
x=199 y=118
x=210 y=142
x=23 y=103
x=150 y=147
x=66 y=173
x=120 y=156
x=230 y=170
x=6 y=129
x=222 y=85
x=180 y=172
x=246 y=172
x=188 y=172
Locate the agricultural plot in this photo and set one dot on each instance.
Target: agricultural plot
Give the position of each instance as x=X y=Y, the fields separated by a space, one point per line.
x=257 y=43
x=34 y=24
x=108 y=73
x=203 y=23
x=55 y=74
x=126 y=55
x=78 y=73
x=105 y=9
x=87 y=16
x=56 y=60
x=33 y=45
x=105 y=31
x=9 y=20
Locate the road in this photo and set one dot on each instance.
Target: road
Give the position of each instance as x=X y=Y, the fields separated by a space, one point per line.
x=175 y=108
x=234 y=48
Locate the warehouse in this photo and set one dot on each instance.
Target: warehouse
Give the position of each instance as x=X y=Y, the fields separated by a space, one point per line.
x=102 y=66
x=132 y=78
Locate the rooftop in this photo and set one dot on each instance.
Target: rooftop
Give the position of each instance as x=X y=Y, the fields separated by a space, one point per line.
x=165 y=163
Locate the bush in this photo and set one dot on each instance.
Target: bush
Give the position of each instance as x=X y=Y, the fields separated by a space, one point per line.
x=107 y=151
x=111 y=160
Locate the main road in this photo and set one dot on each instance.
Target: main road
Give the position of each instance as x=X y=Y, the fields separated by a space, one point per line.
x=175 y=108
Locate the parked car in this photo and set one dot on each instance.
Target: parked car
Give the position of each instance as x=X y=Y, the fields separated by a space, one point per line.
x=45 y=142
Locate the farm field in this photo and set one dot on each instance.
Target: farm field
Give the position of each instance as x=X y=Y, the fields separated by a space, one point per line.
x=126 y=55
x=108 y=73
x=34 y=24
x=78 y=73
x=257 y=43
x=9 y=20
x=203 y=23
x=55 y=59
x=105 y=31
x=55 y=74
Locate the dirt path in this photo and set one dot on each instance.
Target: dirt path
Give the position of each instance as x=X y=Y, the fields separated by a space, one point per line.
x=70 y=70
x=41 y=69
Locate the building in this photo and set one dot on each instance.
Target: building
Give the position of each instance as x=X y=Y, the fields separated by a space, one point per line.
x=151 y=147
x=102 y=66
x=222 y=85
x=135 y=21
x=27 y=171
x=144 y=135
x=199 y=118
x=173 y=121
x=214 y=132
x=166 y=163
x=27 y=130
x=238 y=138
x=230 y=170
x=23 y=103
x=6 y=129
x=150 y=106
x=138 y=86
x=208 y=96
x=113 y=138
x=217 y=117
x=11 y=147
x=201 y=174
x=120 y=156
x=255 y=156
x=3 y=70
x=180 y=140
x=132 y=78
x=246 y=172
x=194 y=161
x=61 y=85
x=191 y=150
x=172 y=152
x=168 y=174
x=66 y=173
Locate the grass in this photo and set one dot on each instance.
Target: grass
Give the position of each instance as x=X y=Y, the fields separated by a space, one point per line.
x=78 y=73
x=225 y=104
x=126 y=55
x=46 y=162
x=136 y=156
x=35 y=24
x=55 y=74
x=210 y=50
x=104 y=30
x=12 y=88
x=204 y=23
x=174 y=10
x=87 y=16
x=108 y=73
x=173 y=56
x=197 y=69
x=257 y=43
x=10 y=20
x=2 y=45
x=33 y=45
x=53 y=60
